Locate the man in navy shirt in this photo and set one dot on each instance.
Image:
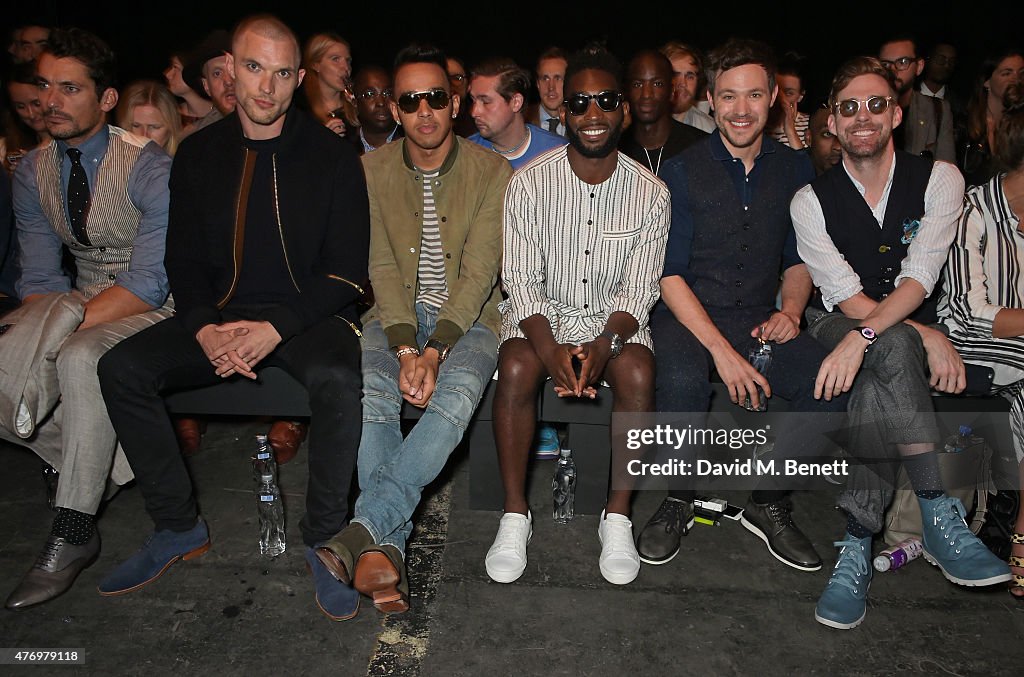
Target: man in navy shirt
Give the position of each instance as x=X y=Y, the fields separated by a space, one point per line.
x=730 y=239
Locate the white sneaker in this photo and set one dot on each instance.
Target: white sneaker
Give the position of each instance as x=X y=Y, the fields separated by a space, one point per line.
x=619 y=561
x=506 y=560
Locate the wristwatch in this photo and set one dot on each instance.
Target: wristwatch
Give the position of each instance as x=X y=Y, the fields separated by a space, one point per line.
x=868 y=333
x=614 y=339
x=443 y=349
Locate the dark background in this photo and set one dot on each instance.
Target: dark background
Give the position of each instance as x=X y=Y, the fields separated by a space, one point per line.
x=143 y=35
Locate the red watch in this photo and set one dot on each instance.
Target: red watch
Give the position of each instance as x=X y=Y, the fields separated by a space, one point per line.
x=868 y=333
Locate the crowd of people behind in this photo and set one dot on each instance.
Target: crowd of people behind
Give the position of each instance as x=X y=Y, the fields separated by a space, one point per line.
x=399 y=235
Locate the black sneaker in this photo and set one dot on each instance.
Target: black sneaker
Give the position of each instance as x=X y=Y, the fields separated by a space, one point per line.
x=773 y=524
x=658 y=543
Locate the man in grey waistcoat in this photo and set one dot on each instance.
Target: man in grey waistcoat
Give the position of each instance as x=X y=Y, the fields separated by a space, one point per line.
x=101 y=193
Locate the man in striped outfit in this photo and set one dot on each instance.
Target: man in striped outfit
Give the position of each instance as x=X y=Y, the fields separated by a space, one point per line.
x=102 y=193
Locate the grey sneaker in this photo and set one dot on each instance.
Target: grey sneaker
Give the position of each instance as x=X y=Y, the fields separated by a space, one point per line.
x=659 y=541
x=773 y=524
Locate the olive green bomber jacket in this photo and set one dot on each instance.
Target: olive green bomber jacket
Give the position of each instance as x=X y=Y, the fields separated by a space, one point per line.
x=469 y=195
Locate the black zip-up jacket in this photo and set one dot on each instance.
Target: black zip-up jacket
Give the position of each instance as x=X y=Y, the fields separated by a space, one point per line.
x=322 y=214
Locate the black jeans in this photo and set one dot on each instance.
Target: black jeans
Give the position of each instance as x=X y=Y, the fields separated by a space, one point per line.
x=684 y=369
x=165 y=357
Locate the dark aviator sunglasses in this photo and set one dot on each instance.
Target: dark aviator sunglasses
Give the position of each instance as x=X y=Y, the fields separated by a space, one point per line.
x=608 y=101
x=437 y=99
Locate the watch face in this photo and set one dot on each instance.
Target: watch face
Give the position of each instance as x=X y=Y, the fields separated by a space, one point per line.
x=868 y=333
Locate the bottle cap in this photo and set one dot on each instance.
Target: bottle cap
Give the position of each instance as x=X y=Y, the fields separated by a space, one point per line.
x=966 y=430
x=565 y=452
x=261 y=439
x=266 y=478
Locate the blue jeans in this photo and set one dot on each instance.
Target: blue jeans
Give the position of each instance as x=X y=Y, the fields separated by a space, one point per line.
x=393 y=471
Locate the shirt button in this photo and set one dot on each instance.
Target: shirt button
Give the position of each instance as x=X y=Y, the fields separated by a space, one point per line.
x=591 y=195
x=746 y=226
x=444 y=219
x=590 y=223
x=111 y=277
x=739 y=266
x=744 y=247
x=412 y=250
x=584 y=280
x=585 y=306
x=447 y=256
x=739 y=283
x=408 y=286
x=415 y=213
x=103 y=249
x=739 y=302
x=883 y=249
x=587 y=252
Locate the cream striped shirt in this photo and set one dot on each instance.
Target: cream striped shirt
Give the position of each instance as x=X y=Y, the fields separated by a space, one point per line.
x=576 y=253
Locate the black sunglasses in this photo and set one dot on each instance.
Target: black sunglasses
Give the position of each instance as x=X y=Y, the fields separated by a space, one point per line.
x=608 y=101
x=368 y=94
x=849 y=107
x=437 y=99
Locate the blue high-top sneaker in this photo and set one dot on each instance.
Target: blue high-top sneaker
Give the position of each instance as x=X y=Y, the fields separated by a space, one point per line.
x=950 y=545
x=844 y=603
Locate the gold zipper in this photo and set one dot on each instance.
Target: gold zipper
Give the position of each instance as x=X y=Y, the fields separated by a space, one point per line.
x=346 y=281
x=280 y=230
x=351 y=324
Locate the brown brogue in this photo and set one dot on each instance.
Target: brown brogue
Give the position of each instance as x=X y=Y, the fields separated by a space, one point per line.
x=56 y=568
x=381 y=576
x=285 y=437
x=340 y=553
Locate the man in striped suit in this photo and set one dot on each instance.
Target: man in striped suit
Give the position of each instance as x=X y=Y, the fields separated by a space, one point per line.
x=102 y=193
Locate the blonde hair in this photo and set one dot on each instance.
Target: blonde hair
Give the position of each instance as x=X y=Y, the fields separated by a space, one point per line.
x=151 y=93
x=315 y=49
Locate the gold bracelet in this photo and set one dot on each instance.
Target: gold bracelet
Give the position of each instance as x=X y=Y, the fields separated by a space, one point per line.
x=402 y=352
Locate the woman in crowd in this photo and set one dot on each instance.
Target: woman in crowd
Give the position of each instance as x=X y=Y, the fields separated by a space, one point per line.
x=998 y=74
x=327 y=59
x=25 y=128
x=148 y=109
x=984 y=306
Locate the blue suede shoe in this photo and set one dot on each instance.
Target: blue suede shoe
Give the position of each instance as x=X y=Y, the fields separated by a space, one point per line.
x=548 y=446
x=336 y=600
x=950 y=545
x=160 y=551
x=844 y=603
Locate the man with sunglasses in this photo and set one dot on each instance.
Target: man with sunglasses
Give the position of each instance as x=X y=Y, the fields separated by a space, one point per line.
x=373 y=108
x=874 y=231
x=928 y=121
x=431 y=338
x=585 y=232
x=730 y=240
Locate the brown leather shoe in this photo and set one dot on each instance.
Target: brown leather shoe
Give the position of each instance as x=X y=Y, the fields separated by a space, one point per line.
x=55 y=570
x=189 y=432
x=286 y=437
x=381 y=576
x=340 y=553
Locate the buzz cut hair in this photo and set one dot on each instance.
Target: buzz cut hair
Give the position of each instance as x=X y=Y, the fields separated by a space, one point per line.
x=267 y=26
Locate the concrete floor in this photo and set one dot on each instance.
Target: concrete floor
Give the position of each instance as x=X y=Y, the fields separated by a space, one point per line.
x=724 y=606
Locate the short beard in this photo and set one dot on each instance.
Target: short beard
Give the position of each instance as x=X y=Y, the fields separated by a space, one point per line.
x=602 y=151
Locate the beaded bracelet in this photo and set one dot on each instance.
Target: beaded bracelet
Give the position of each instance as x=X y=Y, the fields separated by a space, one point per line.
x=402 y=352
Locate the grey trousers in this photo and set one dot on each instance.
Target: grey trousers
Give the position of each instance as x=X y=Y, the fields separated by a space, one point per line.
x=890 y=404
x=77 y=438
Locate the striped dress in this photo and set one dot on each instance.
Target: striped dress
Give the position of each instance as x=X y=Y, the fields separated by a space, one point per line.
x=984 y=274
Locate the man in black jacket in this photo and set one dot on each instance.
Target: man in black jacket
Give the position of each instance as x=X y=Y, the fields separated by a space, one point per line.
x=266 y=251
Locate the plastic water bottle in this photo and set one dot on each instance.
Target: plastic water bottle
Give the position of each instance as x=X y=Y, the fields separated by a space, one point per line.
x=899 y=554
x=959 y=441
x=263 y=461
x=271 y=514
x=563 y=487
x=760 y=356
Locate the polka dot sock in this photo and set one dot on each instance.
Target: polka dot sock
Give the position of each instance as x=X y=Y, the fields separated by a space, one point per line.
x=74 y=527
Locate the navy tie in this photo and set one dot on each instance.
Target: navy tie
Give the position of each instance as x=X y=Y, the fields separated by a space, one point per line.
x=78 y=197
x=553 y=125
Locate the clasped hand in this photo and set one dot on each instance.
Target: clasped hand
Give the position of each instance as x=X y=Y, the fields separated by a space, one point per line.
x=237 y=347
